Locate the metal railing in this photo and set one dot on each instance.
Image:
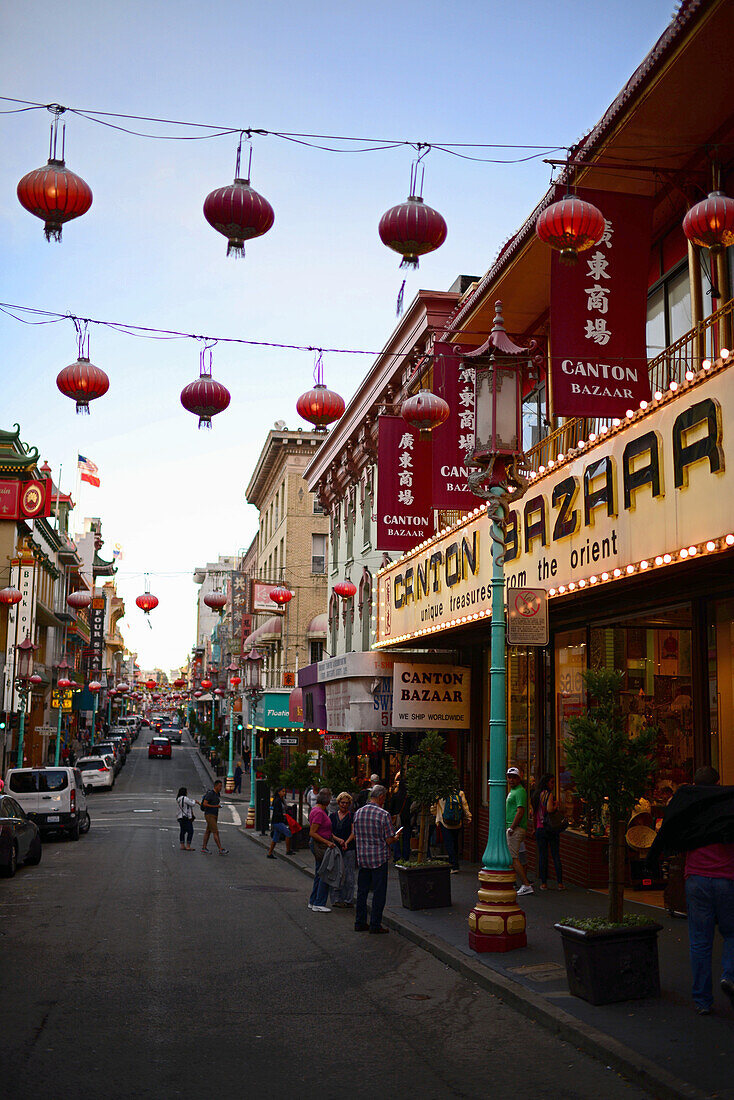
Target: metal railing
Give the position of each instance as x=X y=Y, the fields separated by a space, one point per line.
x=704 y=341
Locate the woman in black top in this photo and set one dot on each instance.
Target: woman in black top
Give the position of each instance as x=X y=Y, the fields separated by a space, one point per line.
x=342 y=822
x=278 y=825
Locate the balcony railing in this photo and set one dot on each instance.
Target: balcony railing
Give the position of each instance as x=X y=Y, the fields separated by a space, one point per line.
x=705 y=341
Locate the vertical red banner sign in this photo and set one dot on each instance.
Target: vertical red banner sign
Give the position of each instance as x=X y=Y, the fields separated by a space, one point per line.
x=453 y=440
x=599 y=314
x=405 y=513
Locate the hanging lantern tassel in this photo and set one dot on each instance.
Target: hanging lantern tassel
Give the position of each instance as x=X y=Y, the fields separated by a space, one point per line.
x=401 y=299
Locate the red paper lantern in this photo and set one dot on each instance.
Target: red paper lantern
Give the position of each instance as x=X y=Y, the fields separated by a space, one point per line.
x=206 y=684
x=425 y=411
x=82 y=382
x=205 y=397
x=236 y=681
x=320 y=406
x=345 y=589
x=95 y=687
x=570 y=226
x=151 y=685
x=63 y=683
x=79 y=599
x=147 y=602
x=239 y=213
x=412 y=229
x=54 y=193
x=281 y=595
x=215 y=600
x=35 y=679
x=10 y=596
x=179 y=683
x=710 y=223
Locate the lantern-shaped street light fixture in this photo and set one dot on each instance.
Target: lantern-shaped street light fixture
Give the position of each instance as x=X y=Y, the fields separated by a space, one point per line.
x=23 y=673
x=63 y=683
x=253 y=690
x=496 y=923
x=95 y=687
x=234 y=682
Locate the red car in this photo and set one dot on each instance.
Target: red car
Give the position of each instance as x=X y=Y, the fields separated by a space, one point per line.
x=160 y=746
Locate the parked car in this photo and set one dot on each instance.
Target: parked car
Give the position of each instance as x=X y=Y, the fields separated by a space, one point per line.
x=160 y=746
x=97 y=772
x=123 y=734
x=53 y=798
x=119 y=744
x=108 y=748
x=20 y=838
x=131 y=724
x=173 y=733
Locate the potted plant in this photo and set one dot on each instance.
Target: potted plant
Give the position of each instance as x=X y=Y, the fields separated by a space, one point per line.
x=272 y=768
x=338 y=771
x=298 y=777
x=425 y=883
x=612 y=959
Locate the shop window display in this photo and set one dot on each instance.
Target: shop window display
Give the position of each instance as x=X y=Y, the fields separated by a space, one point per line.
x=570 y=664
x=721 y=686
x=522 y=743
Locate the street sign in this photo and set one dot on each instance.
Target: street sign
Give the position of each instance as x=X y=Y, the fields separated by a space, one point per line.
x=286 y=740
x=46 y=731
x=527 y=616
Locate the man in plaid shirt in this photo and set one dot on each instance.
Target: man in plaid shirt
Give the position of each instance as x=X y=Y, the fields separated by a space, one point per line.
x=373 y=833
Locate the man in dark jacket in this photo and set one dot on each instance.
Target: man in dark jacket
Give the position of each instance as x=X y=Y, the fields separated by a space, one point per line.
x=699 y=821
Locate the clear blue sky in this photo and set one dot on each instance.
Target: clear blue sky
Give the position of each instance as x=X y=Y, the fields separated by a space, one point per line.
x=173 y=497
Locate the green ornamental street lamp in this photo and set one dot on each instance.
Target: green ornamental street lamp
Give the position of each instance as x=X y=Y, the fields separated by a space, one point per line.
x=497 y=923
x=234 y=682
x=253 y=690
x=63 y=683
x=25 y=681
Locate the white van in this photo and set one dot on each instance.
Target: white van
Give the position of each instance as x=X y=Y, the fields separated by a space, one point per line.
x=52 y=797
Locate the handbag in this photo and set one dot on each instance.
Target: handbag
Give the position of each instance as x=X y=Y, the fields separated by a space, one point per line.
x=556 y=821
x=292 y=824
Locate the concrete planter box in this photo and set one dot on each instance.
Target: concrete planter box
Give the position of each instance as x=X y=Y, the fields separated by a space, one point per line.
x=619 y=964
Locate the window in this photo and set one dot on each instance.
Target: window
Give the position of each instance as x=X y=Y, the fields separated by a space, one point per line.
x=351 y=506
x=335 y=541
x=668 y=311
x=318 y=508
x=318 y=554
x=316 y=651
x=533 y=418
x=367 y=516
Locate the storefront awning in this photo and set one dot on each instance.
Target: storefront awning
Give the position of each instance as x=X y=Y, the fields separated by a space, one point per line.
x=318 y=626
x=269 y=631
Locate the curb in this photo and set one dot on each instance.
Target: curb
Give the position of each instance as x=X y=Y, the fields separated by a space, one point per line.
x=613 y=1054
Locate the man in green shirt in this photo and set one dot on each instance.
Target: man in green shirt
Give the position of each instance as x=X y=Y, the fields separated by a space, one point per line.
x=516 y=819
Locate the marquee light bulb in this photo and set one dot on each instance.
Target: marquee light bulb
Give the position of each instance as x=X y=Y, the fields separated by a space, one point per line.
x=684 y=553
x=667 y=559
x=644 y=564
x=710 y=546
x=562 y=588
x=658 y=395
x=693 y=550
x=561 y=458
x=592 y=437
x=581 y=444
x=571 y=587
x=724 y=354
x=605 y=576
x=541 y=469
x=643 y=405
x=706 y=364
x=659 y=560
x=690 y=376
x=582 y=583
x=729 y=540
x=630 y=568
x=617 y=572
x=593 y=579
x=673 y=386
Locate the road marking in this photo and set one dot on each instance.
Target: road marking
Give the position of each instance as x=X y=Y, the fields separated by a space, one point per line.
x=236 y=819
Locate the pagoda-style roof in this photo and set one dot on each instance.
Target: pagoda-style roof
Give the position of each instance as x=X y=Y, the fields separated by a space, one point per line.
x=16 y=456
x=102 y=568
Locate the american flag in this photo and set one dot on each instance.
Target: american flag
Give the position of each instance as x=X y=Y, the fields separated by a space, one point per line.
x=88 y=470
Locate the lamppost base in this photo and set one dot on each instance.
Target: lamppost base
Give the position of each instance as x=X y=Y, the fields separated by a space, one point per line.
x=250 y=819
x=229 y=785
x=496 y=923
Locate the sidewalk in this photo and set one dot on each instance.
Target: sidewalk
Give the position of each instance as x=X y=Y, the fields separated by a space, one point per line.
x=661 y=1044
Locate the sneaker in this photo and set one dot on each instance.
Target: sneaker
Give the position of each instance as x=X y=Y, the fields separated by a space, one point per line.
x=321 y=908
x=206 y=850
x=269 y=856
x=728 y=988
x=310 y=905
x=224 y=851
x=525 y=890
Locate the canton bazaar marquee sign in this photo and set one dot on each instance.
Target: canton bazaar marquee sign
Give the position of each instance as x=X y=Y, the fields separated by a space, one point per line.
x=640 y=492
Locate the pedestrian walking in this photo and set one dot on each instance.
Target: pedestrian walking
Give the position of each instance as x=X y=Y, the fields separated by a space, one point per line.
x=374 y=833
x=699 y=820
x=516 y=819
x=321 y=840
x=452 y=812
x=186 y=819
x=279 y=829
x=210 y=805
x=312 y=794
x=342 y=827
x=400 y=814
x=238 y=778
x=547 y=838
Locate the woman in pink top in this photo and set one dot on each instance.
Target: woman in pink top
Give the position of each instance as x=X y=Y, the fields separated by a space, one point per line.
x=320 y=833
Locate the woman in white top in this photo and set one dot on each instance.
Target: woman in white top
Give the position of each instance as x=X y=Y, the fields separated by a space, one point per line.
x=185 y=819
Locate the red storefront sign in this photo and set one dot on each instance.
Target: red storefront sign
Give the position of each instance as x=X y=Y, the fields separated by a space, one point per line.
x=25 y=499
x=599 y=313
x=405 y=514
x=453 y=440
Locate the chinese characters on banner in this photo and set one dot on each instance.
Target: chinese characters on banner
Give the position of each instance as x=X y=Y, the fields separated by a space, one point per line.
x=405 y=509
x=21 y=624
x=95 y=651
x=453 y=440
x=599 y=312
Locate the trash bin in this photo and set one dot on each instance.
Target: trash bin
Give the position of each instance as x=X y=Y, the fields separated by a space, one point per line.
x=262 y=805
x=299 y=839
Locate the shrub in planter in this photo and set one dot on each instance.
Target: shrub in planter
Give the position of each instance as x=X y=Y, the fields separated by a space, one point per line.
x=299 y=777
x=425 y=883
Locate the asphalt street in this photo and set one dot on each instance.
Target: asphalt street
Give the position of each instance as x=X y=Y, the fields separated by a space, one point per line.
x=131 y=968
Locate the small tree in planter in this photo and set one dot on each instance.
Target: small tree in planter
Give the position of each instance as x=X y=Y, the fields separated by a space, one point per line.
x=431 y=775
x=614 y=959
x=299 y=777
x=273 y=768
x=338 y=773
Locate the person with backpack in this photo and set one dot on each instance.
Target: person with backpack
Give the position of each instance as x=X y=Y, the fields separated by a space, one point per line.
x=451 y=813
x=186 y=818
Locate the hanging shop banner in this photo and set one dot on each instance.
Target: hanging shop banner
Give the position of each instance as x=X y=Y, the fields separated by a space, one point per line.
x=405 y=513
x=25 y=499
x=430 y=696
x=240 y=604
x=599 y=313
x=453 y=440
x=21 y=624
x=260 y=598
x=96 y=631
